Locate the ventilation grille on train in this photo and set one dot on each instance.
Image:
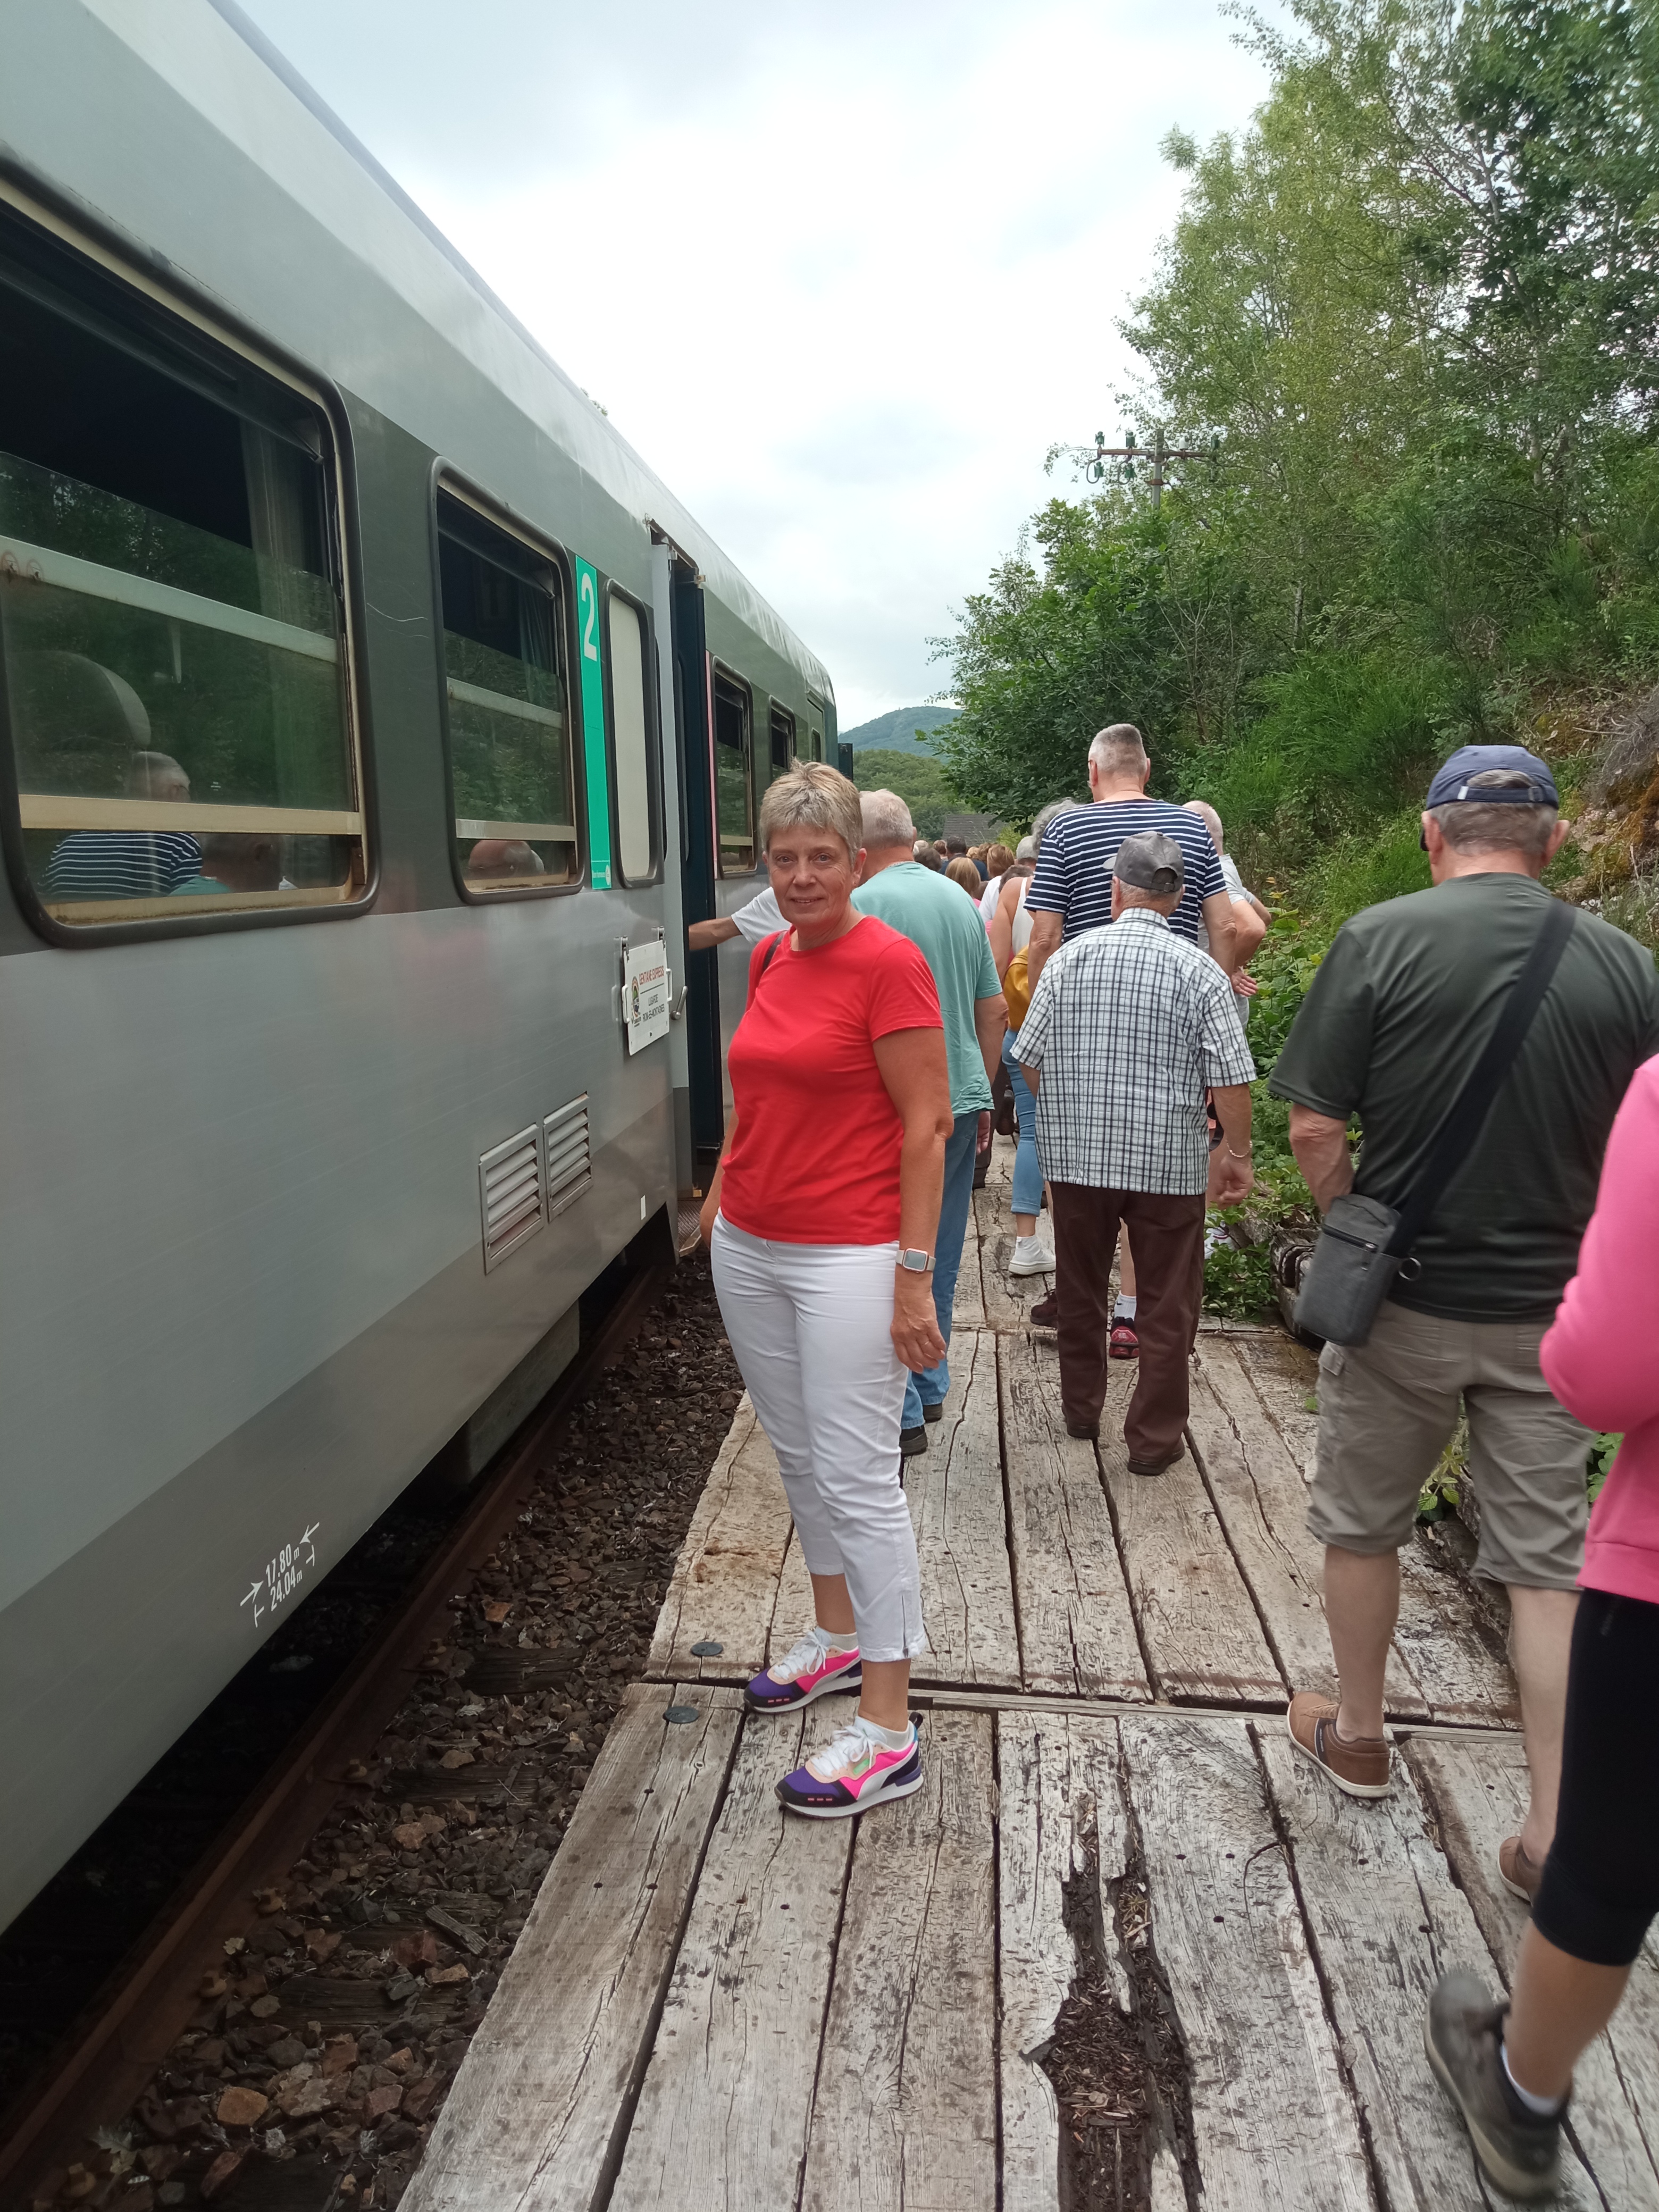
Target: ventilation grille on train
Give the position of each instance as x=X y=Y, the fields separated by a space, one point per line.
x=511 y=1194
x=566 y=1151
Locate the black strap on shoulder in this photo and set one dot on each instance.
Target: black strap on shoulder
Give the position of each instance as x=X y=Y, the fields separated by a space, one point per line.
x=772 y=946
x=1467 y=1116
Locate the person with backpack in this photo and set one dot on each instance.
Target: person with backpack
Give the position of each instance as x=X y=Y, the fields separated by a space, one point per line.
x=1406 y=1026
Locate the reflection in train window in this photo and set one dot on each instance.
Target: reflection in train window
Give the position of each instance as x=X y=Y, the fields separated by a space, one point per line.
x=629 y=678
x=509 y=752
x=783 y=743
x=171 y=626
x=733 y=789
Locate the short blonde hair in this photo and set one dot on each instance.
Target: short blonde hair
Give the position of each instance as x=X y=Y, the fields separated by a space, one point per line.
x=962 y=871
x=817 y=796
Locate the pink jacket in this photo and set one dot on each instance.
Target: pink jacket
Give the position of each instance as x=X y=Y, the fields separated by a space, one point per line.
x=1601 y=1355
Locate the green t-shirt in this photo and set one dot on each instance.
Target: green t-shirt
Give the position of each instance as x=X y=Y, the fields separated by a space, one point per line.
x=939 y=915
x=1399 y=1011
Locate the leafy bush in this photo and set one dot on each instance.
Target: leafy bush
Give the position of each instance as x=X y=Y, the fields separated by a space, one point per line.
x=1237 y=1282
x=1599 y=1466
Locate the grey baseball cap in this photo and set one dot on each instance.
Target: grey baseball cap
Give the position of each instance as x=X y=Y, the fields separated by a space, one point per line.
x=1151 y=862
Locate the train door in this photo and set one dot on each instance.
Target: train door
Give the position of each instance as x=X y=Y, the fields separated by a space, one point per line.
x=696 y=794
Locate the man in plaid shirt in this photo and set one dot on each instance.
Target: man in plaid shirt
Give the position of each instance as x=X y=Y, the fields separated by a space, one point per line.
x=1127 y=1028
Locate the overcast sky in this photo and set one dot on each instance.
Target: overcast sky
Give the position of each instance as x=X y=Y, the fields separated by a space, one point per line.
x=841 y=273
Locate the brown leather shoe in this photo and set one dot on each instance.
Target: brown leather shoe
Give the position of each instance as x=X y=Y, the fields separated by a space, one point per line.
x=1361 y=1768
x=1088 y=1431
x=1158 y=1466
x=1045 y=1314
x=1519 y=1875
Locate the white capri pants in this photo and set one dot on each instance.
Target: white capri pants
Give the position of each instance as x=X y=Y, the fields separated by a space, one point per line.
x=811 y=1325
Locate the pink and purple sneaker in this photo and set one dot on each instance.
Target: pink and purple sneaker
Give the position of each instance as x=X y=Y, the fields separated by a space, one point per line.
x=855 y=1771
x=810 y=1668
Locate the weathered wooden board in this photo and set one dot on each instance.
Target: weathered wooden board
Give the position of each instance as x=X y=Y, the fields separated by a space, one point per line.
x=905 y=2112
x=723 y=2115
x=1274 y=2124
x=1258 y=1491
x=1285 y=1377
x=1386 y=1920
x=1447 y=1645
x=1198 y=1626
x=1077 y=1633
x=532 y=2122
x=954 y=1489
x=724 y=1587
x=1478 y=1793
x=968 y=1308
x=1008 y=1299
x=1059 y=1782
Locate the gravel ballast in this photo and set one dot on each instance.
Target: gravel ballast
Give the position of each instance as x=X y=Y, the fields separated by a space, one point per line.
x=323 y=2043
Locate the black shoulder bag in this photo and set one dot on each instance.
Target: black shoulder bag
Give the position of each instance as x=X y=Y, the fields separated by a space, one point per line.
x=1363 y=1245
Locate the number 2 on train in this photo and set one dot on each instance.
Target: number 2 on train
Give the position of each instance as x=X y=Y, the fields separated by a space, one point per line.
x=590 y=606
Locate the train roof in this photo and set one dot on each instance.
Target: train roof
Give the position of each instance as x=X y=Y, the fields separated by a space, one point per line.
x=211 y=55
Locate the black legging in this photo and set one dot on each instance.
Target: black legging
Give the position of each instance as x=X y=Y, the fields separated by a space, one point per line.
x=1600 y=1885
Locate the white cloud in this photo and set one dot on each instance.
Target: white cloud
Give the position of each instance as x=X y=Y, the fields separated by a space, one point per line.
x=842 y=274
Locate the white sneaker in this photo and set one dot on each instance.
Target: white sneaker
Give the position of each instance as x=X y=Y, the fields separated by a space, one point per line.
x=1031 y=1257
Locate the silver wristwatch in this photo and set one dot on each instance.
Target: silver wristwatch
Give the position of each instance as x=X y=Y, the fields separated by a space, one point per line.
x=916 y=1263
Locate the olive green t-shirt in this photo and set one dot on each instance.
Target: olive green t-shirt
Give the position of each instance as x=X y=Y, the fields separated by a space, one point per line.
x=1399 y=1012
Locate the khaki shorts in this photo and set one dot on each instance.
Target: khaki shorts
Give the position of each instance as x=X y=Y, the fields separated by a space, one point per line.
x=1387 y=1411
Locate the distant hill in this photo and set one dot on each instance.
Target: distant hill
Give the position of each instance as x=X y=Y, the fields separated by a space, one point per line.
x=897 y=732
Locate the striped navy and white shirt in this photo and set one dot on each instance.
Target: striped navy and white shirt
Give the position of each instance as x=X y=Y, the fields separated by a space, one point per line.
x=1071 y=877
x=1127 y=1026
x=92 y=864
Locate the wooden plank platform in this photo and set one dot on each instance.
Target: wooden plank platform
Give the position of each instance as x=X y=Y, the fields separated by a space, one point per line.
x=716 y=2005
x=536 y=2111
x=955 y=1495
x=1077 y=1626
x=1478 y=1794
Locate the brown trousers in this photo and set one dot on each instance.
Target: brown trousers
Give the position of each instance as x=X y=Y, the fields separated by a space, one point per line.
x=1168 y=1234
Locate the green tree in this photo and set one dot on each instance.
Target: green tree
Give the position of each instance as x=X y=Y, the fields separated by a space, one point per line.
x=1416 y=303
x=918 y=781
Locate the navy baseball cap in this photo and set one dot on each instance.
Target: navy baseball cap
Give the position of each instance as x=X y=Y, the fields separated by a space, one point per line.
x=1451 y=780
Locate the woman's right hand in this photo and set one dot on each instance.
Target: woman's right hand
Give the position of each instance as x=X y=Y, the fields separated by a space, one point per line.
x=711 y=1206
x=916 y=1336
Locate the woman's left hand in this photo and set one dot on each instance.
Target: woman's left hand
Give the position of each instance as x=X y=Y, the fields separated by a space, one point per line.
x=916 y=1336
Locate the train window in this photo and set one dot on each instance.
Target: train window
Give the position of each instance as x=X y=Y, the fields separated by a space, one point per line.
x=783 y=743
x=511 y=774
x=733 y=786
x=173 y=661
x=815 y=745
x=636 y=841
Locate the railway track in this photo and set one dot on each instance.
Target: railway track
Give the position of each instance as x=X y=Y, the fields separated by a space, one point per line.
x=102 y=2066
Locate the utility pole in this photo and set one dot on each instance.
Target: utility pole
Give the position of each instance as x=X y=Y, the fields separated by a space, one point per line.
x=1156 y=454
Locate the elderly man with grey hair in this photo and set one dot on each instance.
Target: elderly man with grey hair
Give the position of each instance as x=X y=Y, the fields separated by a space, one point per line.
x=930 y=910
x=1127 y=1028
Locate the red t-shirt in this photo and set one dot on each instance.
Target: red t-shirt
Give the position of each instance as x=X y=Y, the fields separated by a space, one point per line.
x=816 y=1157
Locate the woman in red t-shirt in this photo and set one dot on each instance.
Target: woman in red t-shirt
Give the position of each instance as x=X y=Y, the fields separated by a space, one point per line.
x=822 y=1221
